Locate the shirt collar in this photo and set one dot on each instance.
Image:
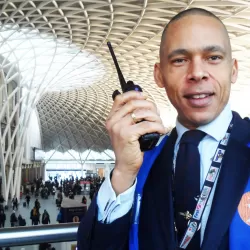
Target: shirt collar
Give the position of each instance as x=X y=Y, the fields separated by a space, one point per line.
x=216 y=129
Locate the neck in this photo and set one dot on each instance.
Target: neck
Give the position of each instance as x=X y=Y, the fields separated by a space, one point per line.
x=188 y=125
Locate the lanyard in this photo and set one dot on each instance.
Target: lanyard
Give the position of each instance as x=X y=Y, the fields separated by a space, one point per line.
x=213 y=173
x=194 y=223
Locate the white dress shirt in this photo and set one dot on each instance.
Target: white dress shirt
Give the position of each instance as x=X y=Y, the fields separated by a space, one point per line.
x=112 y=207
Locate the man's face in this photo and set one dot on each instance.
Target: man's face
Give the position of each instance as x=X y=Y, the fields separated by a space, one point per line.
x=196 y=69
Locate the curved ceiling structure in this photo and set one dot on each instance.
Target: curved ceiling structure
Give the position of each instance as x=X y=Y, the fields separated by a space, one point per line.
x=66 y=66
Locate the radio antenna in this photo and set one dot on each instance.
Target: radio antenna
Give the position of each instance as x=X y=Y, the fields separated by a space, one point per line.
x=120 y=75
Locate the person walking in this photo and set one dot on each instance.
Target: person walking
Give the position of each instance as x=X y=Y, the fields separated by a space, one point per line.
x=27 y=198
x=15 y=203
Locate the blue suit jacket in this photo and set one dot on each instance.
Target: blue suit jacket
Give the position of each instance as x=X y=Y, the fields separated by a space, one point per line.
x=228 y=226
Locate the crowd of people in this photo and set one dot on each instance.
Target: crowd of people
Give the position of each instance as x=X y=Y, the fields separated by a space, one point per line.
x=39 y=189
x=68 y=187
x=18 y=220
x=36 y=190
x=71 y=187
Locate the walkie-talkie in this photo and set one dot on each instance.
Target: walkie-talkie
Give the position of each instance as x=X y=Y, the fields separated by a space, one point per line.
x=147 y=141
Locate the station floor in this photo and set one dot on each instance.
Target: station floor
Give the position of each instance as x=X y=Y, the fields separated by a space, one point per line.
x=48 y=204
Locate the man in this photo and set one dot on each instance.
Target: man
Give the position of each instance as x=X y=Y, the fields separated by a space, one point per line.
x=37 y=205
x=27 y=198
x=13 y=219
x=21 y=221
x=45 y=217
x=2 y=218
x=59 y=218
x=35 y=216
x=15 y=203
x=146 y=203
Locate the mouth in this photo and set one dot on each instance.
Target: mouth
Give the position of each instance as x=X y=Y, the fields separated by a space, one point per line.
x=199 y=100
x=198 y=95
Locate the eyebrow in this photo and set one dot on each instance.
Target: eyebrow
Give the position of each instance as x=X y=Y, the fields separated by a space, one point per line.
x=214 y=48
x=210 y=48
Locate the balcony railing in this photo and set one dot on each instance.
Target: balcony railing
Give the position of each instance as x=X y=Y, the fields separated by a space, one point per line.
x=32 y=235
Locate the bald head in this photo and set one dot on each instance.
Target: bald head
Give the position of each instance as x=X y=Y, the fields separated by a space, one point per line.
x=196 y=59
x=192 y=12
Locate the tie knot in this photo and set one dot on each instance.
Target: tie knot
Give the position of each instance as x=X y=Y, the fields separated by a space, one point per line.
x=193 y=137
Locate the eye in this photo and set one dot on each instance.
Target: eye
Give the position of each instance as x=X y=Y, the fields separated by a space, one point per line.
x=214 y=58
x=178 y=61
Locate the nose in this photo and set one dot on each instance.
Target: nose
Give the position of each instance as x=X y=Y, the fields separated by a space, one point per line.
x=197 y=71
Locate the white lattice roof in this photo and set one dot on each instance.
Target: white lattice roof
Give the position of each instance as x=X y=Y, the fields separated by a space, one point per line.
x=60 y=50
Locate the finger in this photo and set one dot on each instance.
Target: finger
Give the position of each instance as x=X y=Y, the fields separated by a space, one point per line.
x=146 y=127
x=137 y=130
x=127 y=130
x=146 y=115
x=115 y=93
x=140 y=115
x=129 y=108
x=125 y=123
x=125 y=97
x=120 y=100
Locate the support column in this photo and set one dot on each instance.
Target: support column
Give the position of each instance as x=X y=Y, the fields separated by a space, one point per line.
x=35 y=165
x=27 y=172
x=10 y=183
x=40 y=170
x=18 y=174
x=16 y=177
x=43 y=171
x=4 y=188
x=82 y=163
x=32 y=172
x=18 y=184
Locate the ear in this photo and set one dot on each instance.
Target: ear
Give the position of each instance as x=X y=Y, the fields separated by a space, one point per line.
x=158 y=75
x=234 y=73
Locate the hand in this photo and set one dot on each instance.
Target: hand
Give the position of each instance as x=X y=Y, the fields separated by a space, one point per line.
x=124 y=134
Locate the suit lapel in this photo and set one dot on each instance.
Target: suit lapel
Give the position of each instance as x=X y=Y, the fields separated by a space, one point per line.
x=232 y=181
x=162 y=188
